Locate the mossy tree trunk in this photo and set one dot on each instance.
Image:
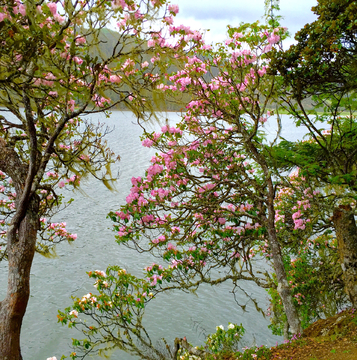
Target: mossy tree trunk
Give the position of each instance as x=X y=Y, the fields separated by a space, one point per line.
x=21 y=250
x=346 y=233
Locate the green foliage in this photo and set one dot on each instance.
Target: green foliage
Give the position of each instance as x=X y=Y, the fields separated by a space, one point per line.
x=320 y=68
x=225 y=340
x=309 y=250
x=223 y=344
x=315 y=278
x=261 y=352
x=121 y=297
x=326 y=156
x=272 y=17
x=324 y=59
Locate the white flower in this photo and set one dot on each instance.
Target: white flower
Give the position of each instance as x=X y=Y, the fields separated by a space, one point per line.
x=85 y=297
x=122 y=271
x=220 y=327
x=101 y=273
x=231 y=326
x=75 y=313
x=52 y=358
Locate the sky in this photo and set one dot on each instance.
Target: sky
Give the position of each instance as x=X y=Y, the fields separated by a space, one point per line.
x=217 y=14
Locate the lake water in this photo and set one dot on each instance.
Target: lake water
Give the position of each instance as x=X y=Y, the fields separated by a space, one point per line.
x=54 y=281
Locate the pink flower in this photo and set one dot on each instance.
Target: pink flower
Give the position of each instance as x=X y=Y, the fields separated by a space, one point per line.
x=80 y=40
x=61 y=184
x=71 y=104
x=267 y=48
x=144 y=64
x=174 y=8
x=155 y=169
x=237 y=35
x=262 y=120
x=162 y=238
x=273 y=39
x=131 y=197
x=78 y=60
x=169 y=20
x=147 y=143
x=299 y=224
x=52 y=7
x=22 y=10
x=135 y=181
x=2 y=17
x=171 y=247
x=155 y=278
x=115 y=79
x=262 y=71
x=58 y=18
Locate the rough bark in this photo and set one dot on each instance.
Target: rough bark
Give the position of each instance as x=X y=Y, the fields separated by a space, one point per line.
x=21 y=245
x=346 y=233
x=278 y=264
x=283 y=285
x=21 y=250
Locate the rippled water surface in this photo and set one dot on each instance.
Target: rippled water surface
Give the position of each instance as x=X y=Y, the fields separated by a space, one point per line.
x=54 y=281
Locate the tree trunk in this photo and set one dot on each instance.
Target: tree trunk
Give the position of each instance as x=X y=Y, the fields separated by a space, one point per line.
x=346 y=233
x=278 y=263
x=283 y=285
x=21 y=246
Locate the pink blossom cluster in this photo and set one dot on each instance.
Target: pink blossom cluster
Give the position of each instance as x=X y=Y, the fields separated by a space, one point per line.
x=205 y=169
x=59 y=230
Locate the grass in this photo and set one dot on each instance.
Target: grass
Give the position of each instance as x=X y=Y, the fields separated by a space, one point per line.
x=334 y=338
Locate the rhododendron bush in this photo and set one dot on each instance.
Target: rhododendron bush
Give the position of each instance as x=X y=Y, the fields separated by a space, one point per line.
x=206 y=203
x=218 y=198
x=54 y=72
